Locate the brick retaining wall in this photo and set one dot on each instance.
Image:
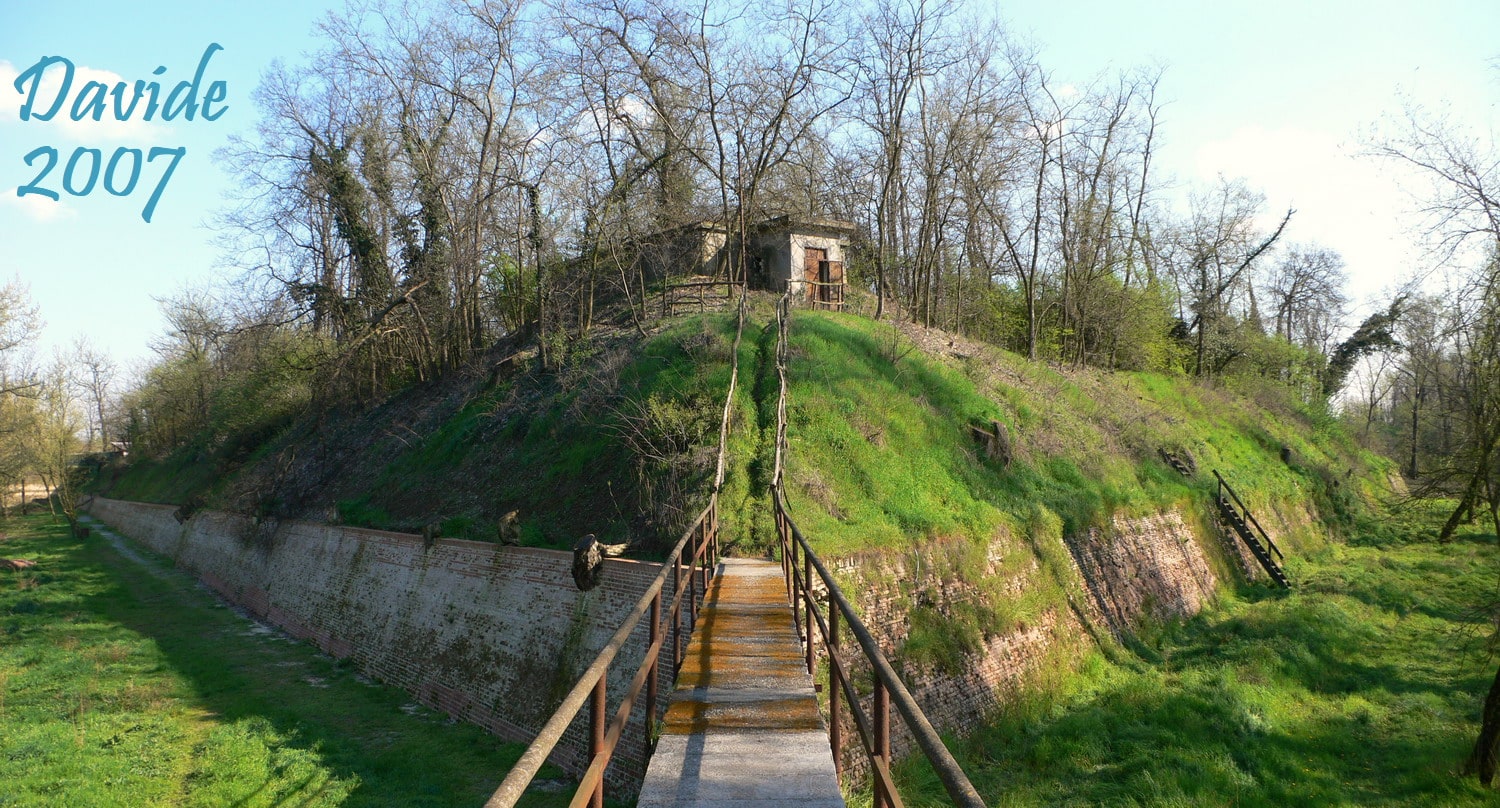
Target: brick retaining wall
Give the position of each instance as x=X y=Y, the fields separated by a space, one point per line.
x=489 y=634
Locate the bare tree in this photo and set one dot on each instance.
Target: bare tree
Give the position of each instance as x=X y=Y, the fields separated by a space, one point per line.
x=93 y=375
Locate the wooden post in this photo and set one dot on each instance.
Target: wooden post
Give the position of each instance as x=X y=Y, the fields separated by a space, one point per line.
x=692 y=593
x=676 y=614
x=807 y=592
x=796 y=588
x=651 y=683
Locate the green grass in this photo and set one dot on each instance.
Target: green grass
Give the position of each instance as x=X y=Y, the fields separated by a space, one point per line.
x=882 y=455
x=883 y=460
x=124 y=685
x=1361 y=687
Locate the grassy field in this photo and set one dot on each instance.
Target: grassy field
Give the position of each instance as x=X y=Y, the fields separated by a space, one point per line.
x=124 y=684
x=1361 y=687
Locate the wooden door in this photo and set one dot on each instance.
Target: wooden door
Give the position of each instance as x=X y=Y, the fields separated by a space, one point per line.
x=814 y=266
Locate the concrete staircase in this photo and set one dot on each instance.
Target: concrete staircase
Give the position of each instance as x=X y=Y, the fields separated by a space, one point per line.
x=743 y=727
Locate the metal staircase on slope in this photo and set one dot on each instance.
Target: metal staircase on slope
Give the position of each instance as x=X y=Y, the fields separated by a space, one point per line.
x=1239 y=519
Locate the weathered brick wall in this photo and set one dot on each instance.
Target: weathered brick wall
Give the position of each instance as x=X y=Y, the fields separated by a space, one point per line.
x=489 y=634
x=1148 y=566
x=1151 y=565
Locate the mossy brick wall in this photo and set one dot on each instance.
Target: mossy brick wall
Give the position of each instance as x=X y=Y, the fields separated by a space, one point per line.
x=1151 y=566
x=489 y=634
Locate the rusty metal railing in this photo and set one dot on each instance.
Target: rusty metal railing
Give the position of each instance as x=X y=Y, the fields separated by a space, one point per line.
x=699 y=545
x=702 y=540
x=799 y=565
x=1249 y=517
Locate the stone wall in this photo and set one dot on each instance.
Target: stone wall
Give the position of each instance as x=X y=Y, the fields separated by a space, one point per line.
x=488 y=634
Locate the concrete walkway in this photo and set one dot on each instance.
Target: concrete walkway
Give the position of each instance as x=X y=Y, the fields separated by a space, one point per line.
x=743 y=727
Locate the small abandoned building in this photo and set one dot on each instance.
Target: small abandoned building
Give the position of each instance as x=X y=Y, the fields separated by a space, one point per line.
x=803 y=254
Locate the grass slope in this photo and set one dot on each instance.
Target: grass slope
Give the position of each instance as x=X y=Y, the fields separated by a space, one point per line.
x=617 y=441
x=1362 y=687
x=881 y=453
x=127 y=685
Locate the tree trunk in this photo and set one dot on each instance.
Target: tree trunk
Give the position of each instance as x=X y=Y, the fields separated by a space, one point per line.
x=1465 y=504
x=1482 y=760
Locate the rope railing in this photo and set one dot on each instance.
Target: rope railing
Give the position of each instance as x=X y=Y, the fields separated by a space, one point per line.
x=799 y=565
x=699 y=545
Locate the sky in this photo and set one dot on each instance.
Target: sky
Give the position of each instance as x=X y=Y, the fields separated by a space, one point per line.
x=1286 y=94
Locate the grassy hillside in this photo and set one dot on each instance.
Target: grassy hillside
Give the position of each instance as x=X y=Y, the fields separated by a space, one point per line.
x=617 y=442
x=882 y=453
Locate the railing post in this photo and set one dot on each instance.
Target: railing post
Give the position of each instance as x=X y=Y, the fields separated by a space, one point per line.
x=797 y=588
x=786 y=548
x=715 y=513
x=807 y=592
x=676 y=614
x=707 y=552
x=882 y=740
x=651 y=683
x=596 y=737
x=835 y=688
x=692 y=594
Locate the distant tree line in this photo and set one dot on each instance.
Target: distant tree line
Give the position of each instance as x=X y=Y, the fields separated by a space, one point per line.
x=439 y=176
x=50 y=413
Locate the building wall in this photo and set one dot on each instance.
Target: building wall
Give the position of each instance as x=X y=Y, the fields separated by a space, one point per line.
x=488 y=634
x=783 y=256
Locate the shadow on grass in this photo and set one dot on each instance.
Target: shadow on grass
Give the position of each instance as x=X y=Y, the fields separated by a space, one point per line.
x=267 y=721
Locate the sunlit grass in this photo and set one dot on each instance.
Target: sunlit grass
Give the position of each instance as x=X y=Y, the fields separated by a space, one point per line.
x=1361 y=687
x=129 y=686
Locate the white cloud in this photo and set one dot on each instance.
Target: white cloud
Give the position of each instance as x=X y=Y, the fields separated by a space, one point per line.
x=37 y=208
x=109 y=129
x=1344 y=200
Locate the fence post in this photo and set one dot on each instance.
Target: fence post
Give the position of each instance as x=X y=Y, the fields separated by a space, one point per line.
x=797 y=587
x=807 y=593
x=882 y=740
x=596 y=737
x=676 y=614
x=651 y=683
x=835 y=686
x=692 y=594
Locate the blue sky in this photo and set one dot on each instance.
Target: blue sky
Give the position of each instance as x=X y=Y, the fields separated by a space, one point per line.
x=1279 y=92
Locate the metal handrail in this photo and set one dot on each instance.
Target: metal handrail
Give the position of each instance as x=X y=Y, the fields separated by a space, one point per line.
x=591 y=686
x=873 y=730
x=1225 y=486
